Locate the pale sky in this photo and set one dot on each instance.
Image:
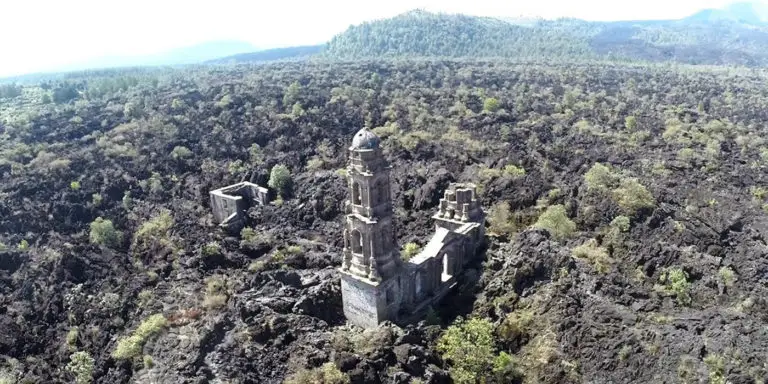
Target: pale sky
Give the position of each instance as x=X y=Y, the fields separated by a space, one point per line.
x=37 y=35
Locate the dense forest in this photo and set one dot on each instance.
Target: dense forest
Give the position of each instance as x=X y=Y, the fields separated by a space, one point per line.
x=627 y=208
x=420 y=33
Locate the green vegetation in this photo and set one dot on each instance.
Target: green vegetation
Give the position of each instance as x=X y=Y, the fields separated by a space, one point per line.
x=211 y=249
x=81 y=365
x=594 y=254
x=326 y=374
x=421 y=33
x=280 y=179
x=500 y=219
x=72 y=335
x=103 y=232
x=514 y=171
x=628 y=193
x=491 y=105
x=154 y=231
x=181 y=153
x=600 y=178
x=675 y=282
x=716 y=366
x=410 y=250
x=215 y=292
x=75 y=185
x=469 y=347
x=555 y=220
x=633 y=196
x=726 y=276
x=131 y=346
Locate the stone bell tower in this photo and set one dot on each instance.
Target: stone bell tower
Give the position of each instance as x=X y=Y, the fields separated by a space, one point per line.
x=371 y=266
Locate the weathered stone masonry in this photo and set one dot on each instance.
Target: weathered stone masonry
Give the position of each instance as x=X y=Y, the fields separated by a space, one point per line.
x=377 y=285
x=230 y=203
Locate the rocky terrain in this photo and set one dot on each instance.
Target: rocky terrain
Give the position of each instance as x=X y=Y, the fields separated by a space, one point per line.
x=626 y=223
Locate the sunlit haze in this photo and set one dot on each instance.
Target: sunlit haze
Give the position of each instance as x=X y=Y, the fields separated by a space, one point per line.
x=41 y=35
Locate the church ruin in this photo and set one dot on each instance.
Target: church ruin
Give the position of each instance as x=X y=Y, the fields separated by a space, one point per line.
x=229 y=204
x=376 y=284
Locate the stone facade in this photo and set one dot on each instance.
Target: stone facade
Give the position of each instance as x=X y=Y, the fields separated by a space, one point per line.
x=377 y=285
x=230 y=203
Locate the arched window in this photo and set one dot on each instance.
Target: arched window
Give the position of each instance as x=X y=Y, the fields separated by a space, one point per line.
x=356 y=194
x=357 y=242
x=447 y=270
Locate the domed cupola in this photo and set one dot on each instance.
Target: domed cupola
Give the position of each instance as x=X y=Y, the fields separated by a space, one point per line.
x=365 y=139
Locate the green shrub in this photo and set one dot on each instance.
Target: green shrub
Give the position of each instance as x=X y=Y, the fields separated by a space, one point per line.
x=23 y=245
x=72 y=337
x=410 y=250
x=633 y=196
x=726 y=276
x=81 y=365
x=716 y=367
x=675 y=282
x=315 y=164
x=556 y=221
x=630 y=123
x=211 y=249
x=517 y=324
x=131 y=346
x=620 y=223
x=596 y=255
x=280 y=179
x=97 y=199
x=148 y=362
x=600 y=178
x=514 y=171
x=389 y=129
x=75 y=185
x=215 y=292
x=500 y=219
x=154 y=230
x=181 y=153
x=327 y=374
x=249 y=237
x=491 y=104
x=469 y=347
x=103 y=232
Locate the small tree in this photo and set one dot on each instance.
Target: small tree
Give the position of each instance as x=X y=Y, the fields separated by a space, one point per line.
x=280 y=179
x=470 y=349
x=556 y=221
x=630 y=123
x=104 y=233
x=491 y=104
x=633 y=196
x=181 y=153
x=81 y=365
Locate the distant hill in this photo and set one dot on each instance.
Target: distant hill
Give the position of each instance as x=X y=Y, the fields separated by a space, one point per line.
x=754 y=13
x=271 y=55
x=185 y=55
x=693 y=40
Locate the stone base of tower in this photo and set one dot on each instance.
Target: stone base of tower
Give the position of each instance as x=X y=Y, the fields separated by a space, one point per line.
x=368 y=303
x=364 y=302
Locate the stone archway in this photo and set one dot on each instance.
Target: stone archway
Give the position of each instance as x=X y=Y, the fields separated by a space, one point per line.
x=356 y=240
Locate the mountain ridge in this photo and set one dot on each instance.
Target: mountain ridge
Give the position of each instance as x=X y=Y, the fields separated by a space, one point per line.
x=692 y=40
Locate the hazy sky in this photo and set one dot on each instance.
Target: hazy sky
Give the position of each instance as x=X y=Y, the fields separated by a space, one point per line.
x=39 y=35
